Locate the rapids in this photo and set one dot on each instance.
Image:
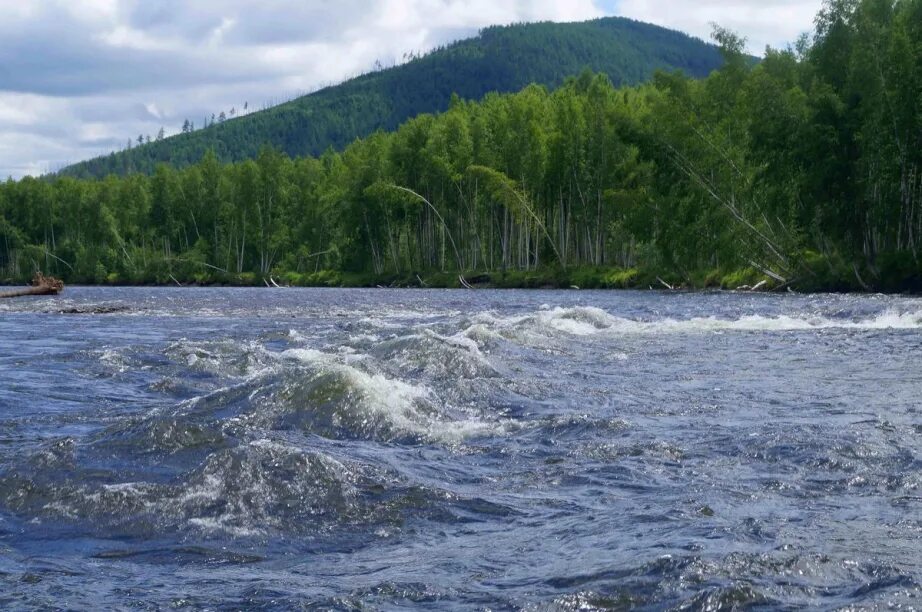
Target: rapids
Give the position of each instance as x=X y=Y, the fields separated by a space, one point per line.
x=389 y=449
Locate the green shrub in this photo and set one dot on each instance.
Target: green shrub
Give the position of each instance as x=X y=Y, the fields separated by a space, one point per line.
x=818 y=272
x=899 y=272
x=245 y=279
x=711 y=280
x=742 y=278
x=322 y=278
x=622 y=279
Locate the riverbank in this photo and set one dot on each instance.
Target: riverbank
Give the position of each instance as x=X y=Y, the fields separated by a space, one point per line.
x=817 y=276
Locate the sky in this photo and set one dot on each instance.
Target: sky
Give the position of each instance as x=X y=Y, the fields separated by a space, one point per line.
x=78 y=78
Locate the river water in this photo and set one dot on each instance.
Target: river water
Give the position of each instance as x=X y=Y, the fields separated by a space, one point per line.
x=228 y=448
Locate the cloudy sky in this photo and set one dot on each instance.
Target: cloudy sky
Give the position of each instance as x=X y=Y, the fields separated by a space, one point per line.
x=78 y=78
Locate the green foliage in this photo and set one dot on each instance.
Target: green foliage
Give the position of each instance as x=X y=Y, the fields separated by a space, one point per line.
x=804 y=170
x=745 y=277
x=500 y=59
x=323 y=278
x=100 y=276
x=622 y=279
x=828 y=273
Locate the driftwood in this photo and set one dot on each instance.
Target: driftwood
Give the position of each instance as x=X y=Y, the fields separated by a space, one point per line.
x=757 y=287
x=41 y=285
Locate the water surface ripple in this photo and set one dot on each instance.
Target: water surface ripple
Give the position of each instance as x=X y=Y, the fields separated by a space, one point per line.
x=277 y=449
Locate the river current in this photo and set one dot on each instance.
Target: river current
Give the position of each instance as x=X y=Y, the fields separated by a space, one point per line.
x=391 y=449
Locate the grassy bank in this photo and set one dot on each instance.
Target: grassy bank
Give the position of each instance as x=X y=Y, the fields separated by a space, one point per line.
x=815 y=274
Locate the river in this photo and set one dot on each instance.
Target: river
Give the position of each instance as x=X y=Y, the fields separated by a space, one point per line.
x=391 y=449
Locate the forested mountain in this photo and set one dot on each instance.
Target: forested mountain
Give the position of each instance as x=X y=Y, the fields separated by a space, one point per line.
x=500 y=59
x=803 y=170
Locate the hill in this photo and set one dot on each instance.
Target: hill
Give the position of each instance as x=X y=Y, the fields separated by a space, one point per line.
x=500 y=59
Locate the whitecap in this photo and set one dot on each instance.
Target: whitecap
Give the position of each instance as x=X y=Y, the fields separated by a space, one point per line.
x=589 y=321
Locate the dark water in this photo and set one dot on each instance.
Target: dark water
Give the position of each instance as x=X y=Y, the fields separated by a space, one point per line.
x=504 y=450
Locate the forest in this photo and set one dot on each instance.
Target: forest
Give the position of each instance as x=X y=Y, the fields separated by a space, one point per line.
x=801 y=171
x=501 y=59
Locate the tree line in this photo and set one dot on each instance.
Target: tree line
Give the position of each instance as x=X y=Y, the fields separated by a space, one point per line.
x=501 y=59
x=803 y=169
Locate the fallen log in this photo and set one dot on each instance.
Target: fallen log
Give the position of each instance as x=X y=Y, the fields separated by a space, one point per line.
x=41 y=285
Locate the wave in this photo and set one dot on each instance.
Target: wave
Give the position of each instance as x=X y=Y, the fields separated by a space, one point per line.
x=251 y=490
x=264 y=486
x=587 y=321
x=114 y=360
x=221 y=358
x=166 y=434
x=248 y=490
x=435 y=355
x=337 y=400
x=341 y=396
x=890 y=319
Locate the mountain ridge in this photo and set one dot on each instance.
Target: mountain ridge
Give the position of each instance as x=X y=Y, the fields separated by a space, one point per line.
x=499 y=59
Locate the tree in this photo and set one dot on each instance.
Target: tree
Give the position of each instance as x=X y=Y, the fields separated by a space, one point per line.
x=803 y=168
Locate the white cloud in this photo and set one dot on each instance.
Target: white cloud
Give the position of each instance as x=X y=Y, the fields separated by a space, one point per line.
x=122 y=37
x=762 y=22
x=80 y=77
x=155 y=112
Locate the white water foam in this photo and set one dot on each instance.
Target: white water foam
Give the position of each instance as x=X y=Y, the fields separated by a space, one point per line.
x=587 y=321
x=402 y=406
x=245 y=359
x=113 y=359
x=460 y=355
